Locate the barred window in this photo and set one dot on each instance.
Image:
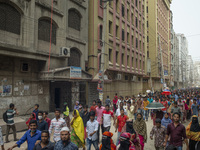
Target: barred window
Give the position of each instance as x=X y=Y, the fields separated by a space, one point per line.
x=10 y=18
x=44 y=27
x=74 y=19
x=75 y=58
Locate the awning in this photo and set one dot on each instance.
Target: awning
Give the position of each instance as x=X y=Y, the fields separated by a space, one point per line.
x=64 y=74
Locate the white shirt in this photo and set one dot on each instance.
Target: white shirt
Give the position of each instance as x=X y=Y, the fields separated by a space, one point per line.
x=118 y=113
x=118 y=102
x=91 y=127
x=107 y=118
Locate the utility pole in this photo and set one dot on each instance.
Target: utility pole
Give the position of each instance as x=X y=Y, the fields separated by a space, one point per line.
x=103 y=48
x=161 y=59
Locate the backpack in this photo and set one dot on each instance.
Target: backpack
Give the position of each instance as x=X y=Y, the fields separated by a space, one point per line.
x=5 y=117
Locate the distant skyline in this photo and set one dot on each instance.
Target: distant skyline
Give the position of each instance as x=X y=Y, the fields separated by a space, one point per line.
x=186 y=20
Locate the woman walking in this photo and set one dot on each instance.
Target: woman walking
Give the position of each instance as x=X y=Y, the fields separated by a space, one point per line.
x=77 y=133
x=141 y=128
x=193 y=132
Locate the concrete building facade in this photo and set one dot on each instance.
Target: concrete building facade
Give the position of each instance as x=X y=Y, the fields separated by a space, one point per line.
x=32 y=69
x=190 y=72
x=183 y=55
x=125 y=39
x=159 y=28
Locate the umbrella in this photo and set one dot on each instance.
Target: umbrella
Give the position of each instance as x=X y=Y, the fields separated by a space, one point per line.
x=166 y=93
x=155 y=105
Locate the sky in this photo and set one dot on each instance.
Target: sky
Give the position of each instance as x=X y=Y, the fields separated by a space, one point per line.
x=186 y=20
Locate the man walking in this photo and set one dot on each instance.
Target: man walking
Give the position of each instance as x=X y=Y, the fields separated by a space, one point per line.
x=91 y=131
x=65 y=142
x=159 y=132
x=42 y=124
x=1 y=140
x=107 y=114
x=145 y=103
x=99 y=113
x=177 y=133
x=10 y=123
x=31 y=136
x=194 y=108
x=44 y=144
x=57 y=123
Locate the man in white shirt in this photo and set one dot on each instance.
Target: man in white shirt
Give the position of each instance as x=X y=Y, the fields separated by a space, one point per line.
x=107 y=115
x=91 y=131
x=119 y=101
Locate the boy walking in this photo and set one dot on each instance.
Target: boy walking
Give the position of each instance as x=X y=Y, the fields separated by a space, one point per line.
x=10 y=123
x=91 y=130
x=159 y=132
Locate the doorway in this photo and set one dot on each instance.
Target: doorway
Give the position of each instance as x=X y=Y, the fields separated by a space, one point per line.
x=57 y=98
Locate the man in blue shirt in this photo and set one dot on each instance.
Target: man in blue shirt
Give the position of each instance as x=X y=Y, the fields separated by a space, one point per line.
x=31 y=136
x=194 y=108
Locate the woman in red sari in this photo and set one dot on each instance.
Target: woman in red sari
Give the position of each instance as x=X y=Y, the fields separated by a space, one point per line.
x=32 y=117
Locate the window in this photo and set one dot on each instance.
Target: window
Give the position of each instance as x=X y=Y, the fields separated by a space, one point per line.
x=74 y=59
x=128 y=37
x=147 y=39
x=136 y=3
x=128 y=15
x=122 y=34
x=100 y=32
x=147 y=54
x=132 y=40
x=110 y=54
x=136 y=61
x=147 y=24
x=116 y=4
x=136 y=22
x=99 y=62
x=126 y=77
x=44 y=27
x=136 y=42
x=123 y=10
x=117 y=54
x=74 y=19
x=132 y=62
x=101 y=3
x=128 y=61
x=117 y=32
x=10 y=19
x=110 y=27
x=122 y=59
x=147 y=9
x=24 y=67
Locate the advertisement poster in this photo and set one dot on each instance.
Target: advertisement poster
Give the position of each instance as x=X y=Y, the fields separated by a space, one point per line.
x=6 y=90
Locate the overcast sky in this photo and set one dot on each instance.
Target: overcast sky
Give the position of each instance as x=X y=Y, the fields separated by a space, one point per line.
x=186 y=20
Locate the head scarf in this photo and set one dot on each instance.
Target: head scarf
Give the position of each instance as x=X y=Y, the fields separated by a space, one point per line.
x=78 y=126
x=107 y=142
x=195 y=127
x=129 y=127
x=124 y=141
x=140 y=127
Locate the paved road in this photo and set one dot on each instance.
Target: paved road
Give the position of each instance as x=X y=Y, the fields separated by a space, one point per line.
x=148 y=146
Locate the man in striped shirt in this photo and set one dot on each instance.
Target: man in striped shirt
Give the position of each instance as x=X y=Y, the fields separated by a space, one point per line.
x=10 y=122
x=57 y=124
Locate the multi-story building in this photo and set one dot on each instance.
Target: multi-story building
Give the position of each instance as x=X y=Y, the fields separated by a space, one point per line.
x=32 y=69
x=197 y=73
x=124 y=44
x=183 y=54
x=158 y=38
x=190 y=71
x=176 y=61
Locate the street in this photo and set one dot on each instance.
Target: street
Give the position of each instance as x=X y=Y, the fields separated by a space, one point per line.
x=148 y=146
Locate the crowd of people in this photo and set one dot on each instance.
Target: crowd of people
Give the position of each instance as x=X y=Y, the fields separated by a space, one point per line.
x=129 y=117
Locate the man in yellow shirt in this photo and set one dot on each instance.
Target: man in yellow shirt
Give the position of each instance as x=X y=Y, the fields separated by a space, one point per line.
x=145 y=103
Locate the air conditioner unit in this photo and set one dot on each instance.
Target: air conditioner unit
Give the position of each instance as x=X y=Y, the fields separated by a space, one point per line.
x=64 y=52
x=134 y=78
x=118 y=77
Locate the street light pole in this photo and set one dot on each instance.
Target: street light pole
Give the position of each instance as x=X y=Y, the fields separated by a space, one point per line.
x=103 y=47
